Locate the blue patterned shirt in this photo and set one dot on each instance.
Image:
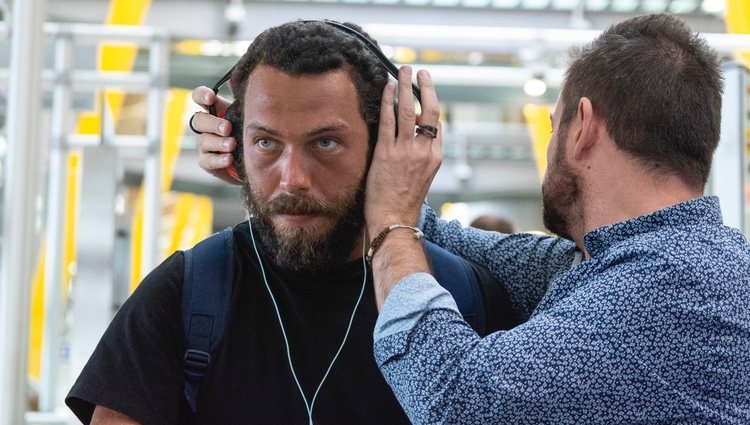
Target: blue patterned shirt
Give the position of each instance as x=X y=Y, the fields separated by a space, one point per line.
x=653 y=328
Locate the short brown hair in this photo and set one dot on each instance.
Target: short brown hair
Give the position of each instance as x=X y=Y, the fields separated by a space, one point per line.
x=658 y=87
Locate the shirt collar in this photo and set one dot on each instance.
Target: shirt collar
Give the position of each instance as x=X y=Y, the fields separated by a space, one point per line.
x=699 y=211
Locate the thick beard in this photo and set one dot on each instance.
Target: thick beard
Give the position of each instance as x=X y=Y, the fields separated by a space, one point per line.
x=309 y=249
x=560 y=194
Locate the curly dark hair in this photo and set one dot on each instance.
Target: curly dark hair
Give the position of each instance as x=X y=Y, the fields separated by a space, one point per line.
x=311 y=48
x=658 y=87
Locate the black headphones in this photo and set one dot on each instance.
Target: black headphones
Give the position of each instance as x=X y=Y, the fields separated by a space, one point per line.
x=231 y=114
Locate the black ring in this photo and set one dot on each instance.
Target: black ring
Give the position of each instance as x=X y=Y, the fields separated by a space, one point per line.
x=427 y=130
x=190 y=124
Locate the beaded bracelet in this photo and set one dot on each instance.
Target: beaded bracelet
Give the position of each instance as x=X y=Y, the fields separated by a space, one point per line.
x=381 y=236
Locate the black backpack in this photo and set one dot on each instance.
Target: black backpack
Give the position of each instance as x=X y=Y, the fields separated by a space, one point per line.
x=207 y=289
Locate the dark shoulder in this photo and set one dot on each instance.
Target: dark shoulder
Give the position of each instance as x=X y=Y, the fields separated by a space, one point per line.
x=164 y=280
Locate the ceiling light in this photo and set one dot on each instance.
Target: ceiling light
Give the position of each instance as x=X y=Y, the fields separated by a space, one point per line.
x=535 y=87
x=235 y=12
x=712 y=6
x=475 y=58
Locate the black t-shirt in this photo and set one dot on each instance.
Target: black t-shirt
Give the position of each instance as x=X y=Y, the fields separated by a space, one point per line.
x=137 y=367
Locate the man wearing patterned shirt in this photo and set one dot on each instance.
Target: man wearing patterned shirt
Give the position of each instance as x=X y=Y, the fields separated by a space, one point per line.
x=637 y=313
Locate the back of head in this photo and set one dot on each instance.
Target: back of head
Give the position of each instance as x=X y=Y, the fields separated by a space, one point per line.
x=495 y=224
x=658 y=87
x=314 y=47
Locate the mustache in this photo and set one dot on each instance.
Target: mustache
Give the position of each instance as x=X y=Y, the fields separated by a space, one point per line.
x=299 y=205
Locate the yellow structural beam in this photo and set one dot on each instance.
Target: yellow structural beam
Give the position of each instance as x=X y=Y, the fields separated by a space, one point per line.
x=37 y=314
x=121 y=56
x=193 y=221
x=176 y=103
x=71 y=217
x=37 y=318
x=737 y=21
x=540 y=127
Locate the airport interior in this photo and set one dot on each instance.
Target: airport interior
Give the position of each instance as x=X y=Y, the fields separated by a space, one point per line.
x=100 y=179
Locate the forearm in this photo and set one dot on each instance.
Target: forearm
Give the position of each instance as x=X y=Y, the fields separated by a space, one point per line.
x=523 y=263
x=399 y=255
x=105 y=416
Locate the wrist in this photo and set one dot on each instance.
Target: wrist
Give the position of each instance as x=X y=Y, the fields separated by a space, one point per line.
x=375 y=226
x=379 y=238
x=399 y=255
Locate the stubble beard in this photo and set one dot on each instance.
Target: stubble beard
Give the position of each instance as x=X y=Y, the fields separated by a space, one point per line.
x=560 y=194
x=312 y=248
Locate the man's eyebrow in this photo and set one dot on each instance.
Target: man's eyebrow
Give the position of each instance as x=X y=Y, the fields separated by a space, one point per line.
x=328 y=128
x=254 y=125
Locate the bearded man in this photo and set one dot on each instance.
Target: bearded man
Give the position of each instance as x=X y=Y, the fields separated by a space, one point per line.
x=297 y=347
x=637 y=313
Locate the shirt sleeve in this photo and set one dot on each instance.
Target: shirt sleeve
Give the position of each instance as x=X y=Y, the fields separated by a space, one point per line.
x=524 y=263
x=136 y=367
x=442 y=372
x=601 y=355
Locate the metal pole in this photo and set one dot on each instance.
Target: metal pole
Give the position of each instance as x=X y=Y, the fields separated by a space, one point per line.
x=53 y=272
x=152 y=179
x=728 y=170
x=21 y=189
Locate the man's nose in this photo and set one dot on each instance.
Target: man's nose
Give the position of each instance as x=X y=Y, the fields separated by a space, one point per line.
x=295 y=172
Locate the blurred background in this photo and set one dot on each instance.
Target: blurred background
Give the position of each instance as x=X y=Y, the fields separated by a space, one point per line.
x=99 y=174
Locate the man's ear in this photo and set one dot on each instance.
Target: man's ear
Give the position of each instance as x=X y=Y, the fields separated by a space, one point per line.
x=589 y=130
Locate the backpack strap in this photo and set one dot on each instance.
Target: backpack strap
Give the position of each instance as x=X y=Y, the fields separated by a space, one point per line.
x=206 y=292
x=457 y=275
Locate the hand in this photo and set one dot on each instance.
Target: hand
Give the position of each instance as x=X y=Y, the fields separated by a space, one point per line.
x=403 y=166
x=215 y=145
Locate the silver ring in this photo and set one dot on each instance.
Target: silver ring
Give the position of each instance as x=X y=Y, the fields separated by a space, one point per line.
x=427 y=130
x=190 y=124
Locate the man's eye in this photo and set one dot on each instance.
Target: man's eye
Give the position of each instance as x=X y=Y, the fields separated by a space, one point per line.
x=327 y=143
x=264 y=143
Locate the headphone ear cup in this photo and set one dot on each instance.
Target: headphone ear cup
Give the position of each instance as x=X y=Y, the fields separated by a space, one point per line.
x=234 y=116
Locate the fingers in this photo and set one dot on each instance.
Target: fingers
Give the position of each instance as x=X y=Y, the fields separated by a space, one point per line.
x=214 y=162
x=215 y=156
x=387 y=125
x=205 y=97
x=406 y=114
x=403 y=165
x=212 y=143
x=430 y=107
x=202 y=122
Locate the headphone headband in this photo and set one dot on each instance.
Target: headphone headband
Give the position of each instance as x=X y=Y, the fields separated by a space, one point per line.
x=369 y=45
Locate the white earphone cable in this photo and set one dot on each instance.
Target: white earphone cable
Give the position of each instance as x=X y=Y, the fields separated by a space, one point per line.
x=309 y=406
